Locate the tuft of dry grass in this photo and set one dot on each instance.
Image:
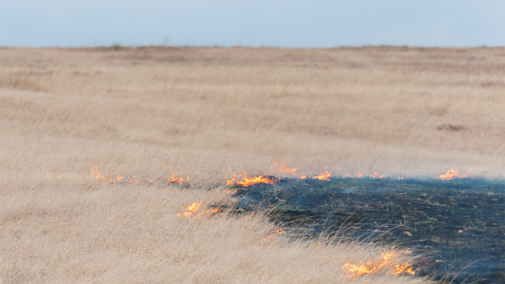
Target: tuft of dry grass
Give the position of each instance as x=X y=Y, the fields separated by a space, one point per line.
x=205 y=113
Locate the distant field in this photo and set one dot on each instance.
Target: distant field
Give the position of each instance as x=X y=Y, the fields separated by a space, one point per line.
x=152 y=113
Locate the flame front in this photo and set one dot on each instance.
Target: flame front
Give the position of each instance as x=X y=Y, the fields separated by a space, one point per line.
x=369 y=267
x=256 y=180
x=248 y=180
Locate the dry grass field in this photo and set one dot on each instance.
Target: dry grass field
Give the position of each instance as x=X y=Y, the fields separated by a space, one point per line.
x=205 y=113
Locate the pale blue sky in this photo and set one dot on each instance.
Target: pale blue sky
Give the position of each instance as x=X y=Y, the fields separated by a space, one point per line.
x=288 y=23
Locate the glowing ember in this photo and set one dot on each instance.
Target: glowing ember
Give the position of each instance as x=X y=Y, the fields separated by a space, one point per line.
x=94 y=171
x=453 y=174
x=194 y=208
x=278 y=232
x=369 y=267
x=400 y=178
x=133 y=180
x=106 y=180
x=248 y=180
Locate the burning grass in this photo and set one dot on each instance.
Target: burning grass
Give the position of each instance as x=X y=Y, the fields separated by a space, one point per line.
x=167 y=127
x=457 y=224
x=155 y=231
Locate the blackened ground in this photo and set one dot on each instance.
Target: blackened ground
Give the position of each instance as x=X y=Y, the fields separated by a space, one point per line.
x=458 y=225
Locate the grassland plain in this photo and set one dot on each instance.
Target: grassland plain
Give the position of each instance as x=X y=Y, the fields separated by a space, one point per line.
x=205 y=113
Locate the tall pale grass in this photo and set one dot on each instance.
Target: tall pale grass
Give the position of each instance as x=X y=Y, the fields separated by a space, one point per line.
x=206 y=113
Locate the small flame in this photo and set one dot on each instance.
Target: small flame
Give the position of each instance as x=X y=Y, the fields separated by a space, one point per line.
x=400 y=178
x=324 y=176
x=274 y=163
x=194 y=208
x=191 y=209
x=248 y=180
x=376 y=175
x=231 y=181
x=133 y=181
x=94 y=171
x=303 y=177
x=106 y=180
x=453 y=174
x=287 y=170
x=359 y=175
x=179 y=180
x=467 y=174
x=283 y=169
x=369 y=267
x=348 y=175
x=278 y=232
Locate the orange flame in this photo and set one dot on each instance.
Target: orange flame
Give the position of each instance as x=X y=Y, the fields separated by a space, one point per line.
x=191 y=209
x=359 y=175
x=248 y=180
x=133 y=181
x=467 y=174
x=255 y=180
x=376 y=175
x=324 y=176
x=94 y=171
x=453 y=174
x=194 y=208
x=287 y=170
x=179 y=180
x=303 y=177
x=348 y=175
x=278 y=232
x=369 y=267
x=231 y=181
x=400 y=178
x=274 y=163
x=283 y=169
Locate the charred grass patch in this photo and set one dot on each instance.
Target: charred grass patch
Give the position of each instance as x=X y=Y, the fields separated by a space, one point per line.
x=458 y=226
